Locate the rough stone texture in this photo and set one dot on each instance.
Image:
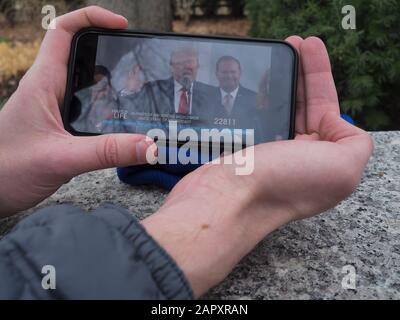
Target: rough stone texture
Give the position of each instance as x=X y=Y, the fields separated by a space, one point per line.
x=303 y=260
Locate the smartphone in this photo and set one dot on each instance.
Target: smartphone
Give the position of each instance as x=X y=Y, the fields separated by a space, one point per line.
x=180 y=87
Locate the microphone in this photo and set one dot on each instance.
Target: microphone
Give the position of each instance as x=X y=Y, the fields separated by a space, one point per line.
x=187 y=83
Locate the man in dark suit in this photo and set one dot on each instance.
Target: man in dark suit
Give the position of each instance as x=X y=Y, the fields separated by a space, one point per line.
x=180 y=94
x=237 y=104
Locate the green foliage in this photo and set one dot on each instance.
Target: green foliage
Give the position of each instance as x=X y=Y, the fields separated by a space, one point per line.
x=2 y=102
x=365 y=61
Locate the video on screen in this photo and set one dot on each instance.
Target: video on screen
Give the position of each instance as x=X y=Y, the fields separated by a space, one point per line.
x=144 y=83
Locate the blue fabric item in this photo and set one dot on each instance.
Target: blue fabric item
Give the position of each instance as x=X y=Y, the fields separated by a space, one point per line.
x=165 y=176
x=347 y=118
x=148 y=175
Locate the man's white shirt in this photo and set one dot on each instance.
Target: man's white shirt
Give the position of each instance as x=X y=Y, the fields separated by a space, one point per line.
x=233 y=94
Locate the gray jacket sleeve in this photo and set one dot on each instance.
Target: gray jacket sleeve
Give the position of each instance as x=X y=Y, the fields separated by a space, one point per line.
x=105 y=254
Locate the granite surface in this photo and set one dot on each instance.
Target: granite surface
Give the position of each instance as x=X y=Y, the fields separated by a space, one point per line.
x=309 y=259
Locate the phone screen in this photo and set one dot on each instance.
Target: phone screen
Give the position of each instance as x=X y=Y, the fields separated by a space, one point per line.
x=186 y=87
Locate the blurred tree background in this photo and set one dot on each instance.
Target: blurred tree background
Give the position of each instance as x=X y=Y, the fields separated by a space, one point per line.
x=143 y=14
x=365 y=61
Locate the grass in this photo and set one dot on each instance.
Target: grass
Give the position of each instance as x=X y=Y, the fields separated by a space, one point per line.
x=16 y=57
x=4 y=39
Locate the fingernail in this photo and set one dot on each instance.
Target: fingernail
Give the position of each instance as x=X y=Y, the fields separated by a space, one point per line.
x=146 y=151
x=126 y=20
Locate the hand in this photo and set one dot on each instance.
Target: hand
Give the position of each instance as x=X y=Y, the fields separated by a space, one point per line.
x=37 y=155
x=134 y=83
x=213 y=217
x=101 y=90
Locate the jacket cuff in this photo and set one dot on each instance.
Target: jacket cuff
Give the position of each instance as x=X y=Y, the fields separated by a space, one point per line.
x=164 y=270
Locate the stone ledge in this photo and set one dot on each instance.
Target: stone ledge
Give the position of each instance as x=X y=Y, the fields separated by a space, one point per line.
x=304 y=259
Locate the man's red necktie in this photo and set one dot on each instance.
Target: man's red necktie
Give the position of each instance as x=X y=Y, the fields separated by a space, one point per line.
x=183 y=102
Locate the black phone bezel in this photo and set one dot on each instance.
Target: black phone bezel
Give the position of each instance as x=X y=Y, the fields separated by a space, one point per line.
x=126 y=32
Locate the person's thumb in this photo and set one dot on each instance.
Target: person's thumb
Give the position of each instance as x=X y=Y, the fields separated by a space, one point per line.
x=83 y=154
x=355 y=141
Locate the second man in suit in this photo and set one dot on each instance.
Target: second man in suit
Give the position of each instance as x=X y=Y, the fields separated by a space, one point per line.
x=237 y=104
